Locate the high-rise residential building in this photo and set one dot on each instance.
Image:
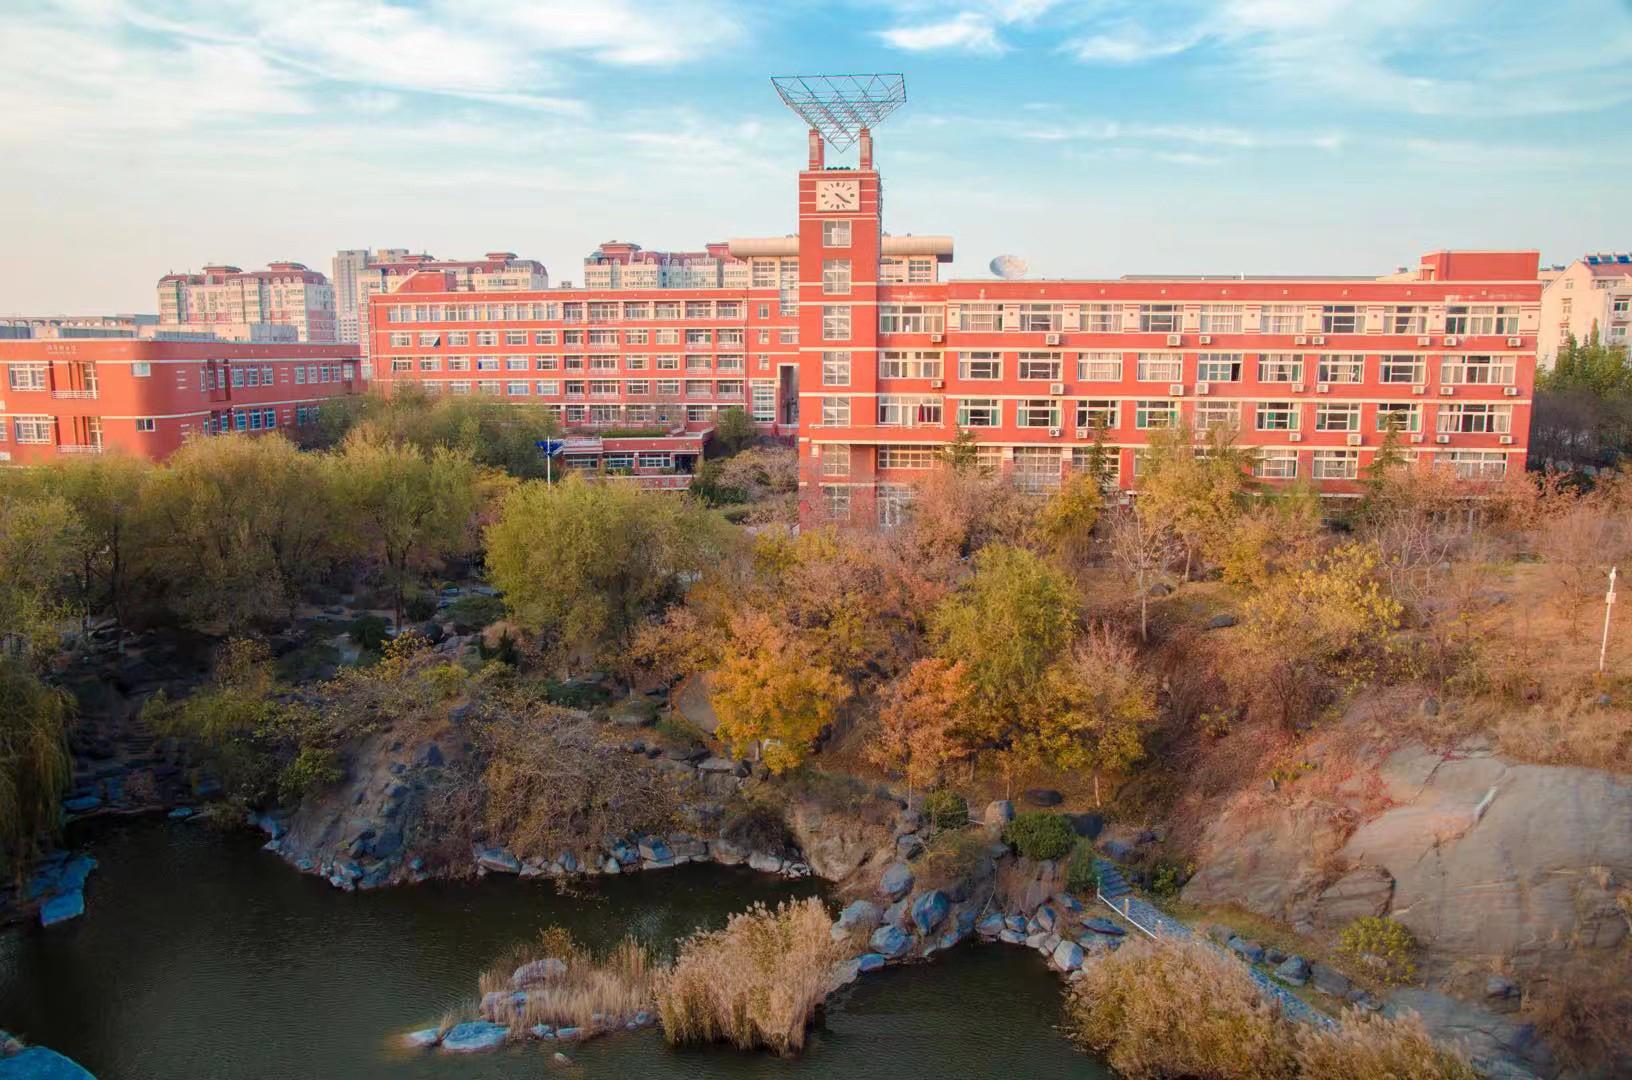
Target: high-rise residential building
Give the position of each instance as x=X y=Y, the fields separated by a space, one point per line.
x=16 y=327
x=617 y=264
x=90 y=395
x=846 y=337
x=360 y=273
x=1592 y=294
x=237 y=305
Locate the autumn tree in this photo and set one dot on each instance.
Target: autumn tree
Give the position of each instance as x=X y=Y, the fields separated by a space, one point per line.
x=1142 y=548
x=406 y=509
x=38 y=534
x=1096 y=705
x=770 y=696
x=1066 y=521
x=35 y=767
x=920 y=714
x=1196 y=489
x=106 y=494
x=957 y=510
x=1277 y=531
x=733 y=428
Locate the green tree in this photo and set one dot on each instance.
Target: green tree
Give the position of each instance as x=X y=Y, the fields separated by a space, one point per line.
x=107 y=496
x=1066 y=521
x=37 y=536
x=1097 y=704
x=962 y=453
x=769 y=695
x=35 y=768
x=1198 y=490
x=407 y=509
x=583 y=563
x=733 y=428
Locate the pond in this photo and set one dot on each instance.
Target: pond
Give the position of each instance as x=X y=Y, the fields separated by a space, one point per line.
x=202 y=956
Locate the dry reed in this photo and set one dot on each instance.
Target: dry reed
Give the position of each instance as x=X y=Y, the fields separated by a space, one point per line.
x=593 y=993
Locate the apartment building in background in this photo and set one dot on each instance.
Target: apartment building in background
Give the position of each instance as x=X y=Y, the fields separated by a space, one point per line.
x=847 y=338
x=24 y=327
x=360 y=273
x=91 y=395
x=284 y=302
x=1594 y=293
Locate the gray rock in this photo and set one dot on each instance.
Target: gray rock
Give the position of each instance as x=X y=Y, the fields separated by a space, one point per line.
x=1120 y=850
x=1294 y=971
x=909 y=846
x=896 y=882
x=473 y=1036
x=765 y=863
x=536 y=972
x=1043 y=797
x=859 y=914
x=929 y=910
x=635 y=711
x=1067 y=956
x=1222 y=622
x=1429 y=706
x=999 y=812
x=1250 y=951
x=1490 y=1039
x=498 y=860
x=717 y=765
x=1329 y=980
x=654 y=849
x=890 y=941
x=422 y=1038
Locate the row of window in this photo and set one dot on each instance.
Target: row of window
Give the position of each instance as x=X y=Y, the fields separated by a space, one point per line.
x=1468 y=319
x=594 y=311
x=668 y=335
x=729 y=389
x=239 y=376
x=764 y=409
x=906 y=410
x=607 y=362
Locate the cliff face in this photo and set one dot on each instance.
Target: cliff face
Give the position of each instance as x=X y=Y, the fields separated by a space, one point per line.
x=1490 y=863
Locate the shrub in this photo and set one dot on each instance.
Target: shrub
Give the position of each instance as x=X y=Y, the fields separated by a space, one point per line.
x=946 y=809
x=576 y=695
x=369 y=632
x=1585 y=1011
x=1381 y=946
x=1178 y=1008
x=314 y=767
x=757 y=983
x=1370 y=1047
x=1081 y=876
x=419 y=605
x=1039 y=835
x=1168 y=877
x=473 y=612
x=757 y=825
x=953 y=857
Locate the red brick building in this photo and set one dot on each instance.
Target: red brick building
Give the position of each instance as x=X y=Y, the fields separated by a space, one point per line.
x=845 y=336
x=88 y=395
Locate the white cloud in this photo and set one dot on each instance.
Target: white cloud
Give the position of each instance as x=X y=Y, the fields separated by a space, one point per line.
x=968 y=31
x=967 y=25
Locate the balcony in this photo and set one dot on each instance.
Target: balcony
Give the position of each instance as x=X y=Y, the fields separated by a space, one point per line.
x=74 y=395
x=79 y=448
x=699 y=346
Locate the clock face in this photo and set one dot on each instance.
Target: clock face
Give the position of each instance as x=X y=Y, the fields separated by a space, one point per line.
x=838 y=195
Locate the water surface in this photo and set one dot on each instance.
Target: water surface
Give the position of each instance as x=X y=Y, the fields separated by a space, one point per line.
x=201 y=956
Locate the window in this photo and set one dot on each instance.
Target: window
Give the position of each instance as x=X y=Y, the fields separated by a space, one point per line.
x=835 y=369
x=1474 y=464
x=548 y=387
x=487 y=363
x=1218 y=367
x=699 y=309
x=668 y=388
x=487 y=337
x=1405 y=319
x=1340 y=368
x=1477 y=319
x=1044 y=366
x=1218 y=414
x=515 y=337
x=1041 y=318
x=1037 y=413
x=906 y=457
x=141 y=369
x=1160 y=367
x=836 y=322
x=1342 y=319
x=666 y=363
x=402 y=363
x=1276 y=465
x=401 y=340
x=699 y=339
x=835 y=277
x=892 y=501
x=1400 y=416
x=540 y=337
x=762 y=400
x=1154 y=414
x=835 y=412
x=1402 y=369
x=146 y=423
x=788 y=335
x=1101 y=318
x=836 y=234
x=1620 y=305
x=1280 y=367
x=979 y=412
x=637 y=337
x=1159 y=318
x=1085 y=458
x=836 y=499
x=1476 y=371
x=666 y=309
x=1474 y=419
x=1276 y=416
x=1335 y=465
x=980 y=365
x=1036 y=469
x=909 y=365
x=637 y=387
x=1221 y=318
x=28 y=376
x=908 y=410
x=1097 y=412
x=238 y=377
x=667 y=335
x=911 y=319
x=462 y=337
x=488 y=386
x=1099 y=367
x=1337 y=417
x=980 y=318
x=836 y=459
x=1281 y=319
x=300 y=375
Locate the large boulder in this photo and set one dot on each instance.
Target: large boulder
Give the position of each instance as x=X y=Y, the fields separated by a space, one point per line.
x=634 y=711
x=861 y=914
x=473 y=1036
x=1067 y=956
x=896 y=882
x=535 y=972
x=1361 y=892
x=1493 y=1042
x=838 y=844
x=498 y=860
x=890 y=941
x=928 y=910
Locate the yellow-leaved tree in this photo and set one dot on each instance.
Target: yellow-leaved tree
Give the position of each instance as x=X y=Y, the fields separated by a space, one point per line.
x=770 y=694
x=922 y=711
x=1097 y=704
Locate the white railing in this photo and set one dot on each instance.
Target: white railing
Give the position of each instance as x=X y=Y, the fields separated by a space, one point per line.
x=79 y=448
x=73 y=395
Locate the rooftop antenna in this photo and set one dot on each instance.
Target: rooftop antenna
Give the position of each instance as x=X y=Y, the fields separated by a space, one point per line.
x=842 y=107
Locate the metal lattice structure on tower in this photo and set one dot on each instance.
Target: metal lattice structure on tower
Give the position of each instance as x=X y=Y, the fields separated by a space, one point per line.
x=840 y=106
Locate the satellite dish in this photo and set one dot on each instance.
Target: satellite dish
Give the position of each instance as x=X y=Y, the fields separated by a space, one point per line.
x=1009 y=267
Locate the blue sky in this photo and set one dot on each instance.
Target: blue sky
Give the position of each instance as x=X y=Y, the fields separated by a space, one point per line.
x=1093 y=138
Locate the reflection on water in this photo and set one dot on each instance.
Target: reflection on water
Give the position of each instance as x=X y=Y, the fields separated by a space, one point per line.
x=202 y=956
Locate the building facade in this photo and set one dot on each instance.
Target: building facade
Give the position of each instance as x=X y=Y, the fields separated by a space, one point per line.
x=239 y=305
x=360 y=274
x=845 y=337
x=87 y=396
x=1592 y=294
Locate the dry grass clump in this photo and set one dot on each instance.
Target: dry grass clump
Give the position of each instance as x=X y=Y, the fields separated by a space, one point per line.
x=612 y=987
x=1178 y=1008
x=1585 y=1012
x=1170 y=1008
x=757 y=983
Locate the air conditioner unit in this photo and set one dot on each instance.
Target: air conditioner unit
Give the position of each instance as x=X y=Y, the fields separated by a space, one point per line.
x=1176 y=389
x=1416 y=437
x=1297 y=388
x=1203 y=389
x=1051 y=339
x=1419 y=388
x=1446 y=391
x=1175 y=339
x=1514 y=343
x=1506 y=440
x=1205 y=339
x=1423 y=341
x=1511 y=391
x=1453 y=340
x=1083 y=433
x=936 y=339
x=1354 y=440
x=1300 y=341
x=1317 y=341
x=1323 y=388
x=1055 y=433
x=1442 y=439
x=937 y=384
x=1056 y=388
x=1294 y=436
